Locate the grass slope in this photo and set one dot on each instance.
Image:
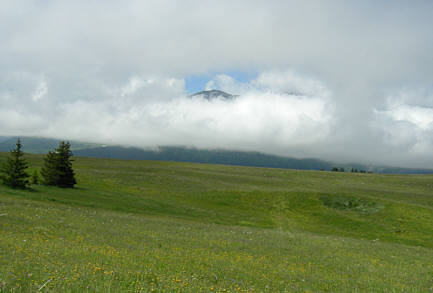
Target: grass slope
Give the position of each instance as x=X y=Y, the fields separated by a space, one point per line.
x=175 y=227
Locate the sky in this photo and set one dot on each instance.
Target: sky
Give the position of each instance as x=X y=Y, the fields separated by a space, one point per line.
x=349 y=81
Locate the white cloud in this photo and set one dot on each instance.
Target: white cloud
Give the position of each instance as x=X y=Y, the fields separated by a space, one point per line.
x=134 y=84
x=407 y=129
x=41 y=90
x=259 y=119
x=291 y=83
x=420 y=117
x=157 y=88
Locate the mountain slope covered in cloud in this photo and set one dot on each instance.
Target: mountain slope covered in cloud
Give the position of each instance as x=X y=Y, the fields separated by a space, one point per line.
x=210 y=156
x=238 y=158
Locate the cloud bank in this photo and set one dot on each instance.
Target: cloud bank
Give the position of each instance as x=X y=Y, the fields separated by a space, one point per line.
x=341 y=80
x=152 y=112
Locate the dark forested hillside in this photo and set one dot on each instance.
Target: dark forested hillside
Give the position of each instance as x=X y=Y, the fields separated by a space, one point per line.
x=184 y=154
x=181 y=154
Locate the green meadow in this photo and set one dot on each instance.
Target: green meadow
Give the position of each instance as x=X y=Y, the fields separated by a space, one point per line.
x=149 y=226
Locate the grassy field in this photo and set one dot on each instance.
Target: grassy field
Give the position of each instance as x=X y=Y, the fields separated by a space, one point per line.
x=133 y=226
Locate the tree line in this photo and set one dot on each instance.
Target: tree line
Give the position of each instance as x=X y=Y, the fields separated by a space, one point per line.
x=56 y=170
x=353 y=170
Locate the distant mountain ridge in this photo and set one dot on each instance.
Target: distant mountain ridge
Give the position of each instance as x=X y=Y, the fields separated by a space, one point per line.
x=215 y=94
x=184 y=154
x=225 y=157
x=237 y=158
x=40 y=145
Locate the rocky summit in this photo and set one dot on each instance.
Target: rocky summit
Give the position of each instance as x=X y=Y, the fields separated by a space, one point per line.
x=214 y=94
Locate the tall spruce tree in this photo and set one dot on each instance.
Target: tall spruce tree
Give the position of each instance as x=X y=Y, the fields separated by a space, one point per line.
x=50 y=169
x=57 y=169
x=13 y=171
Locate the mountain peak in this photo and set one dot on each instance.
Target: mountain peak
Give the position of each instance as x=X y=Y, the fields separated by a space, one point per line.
x=213 y=94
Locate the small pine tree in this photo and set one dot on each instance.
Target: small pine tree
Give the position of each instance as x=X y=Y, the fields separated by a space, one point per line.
x=57 y=169
x=67 y=175
x=13 y=172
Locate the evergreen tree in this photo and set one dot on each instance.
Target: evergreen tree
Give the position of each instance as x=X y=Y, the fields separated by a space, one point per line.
x=34 y=179
x=49 y=171
x=67 y=175
x=13 y=172
x=57 y=169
